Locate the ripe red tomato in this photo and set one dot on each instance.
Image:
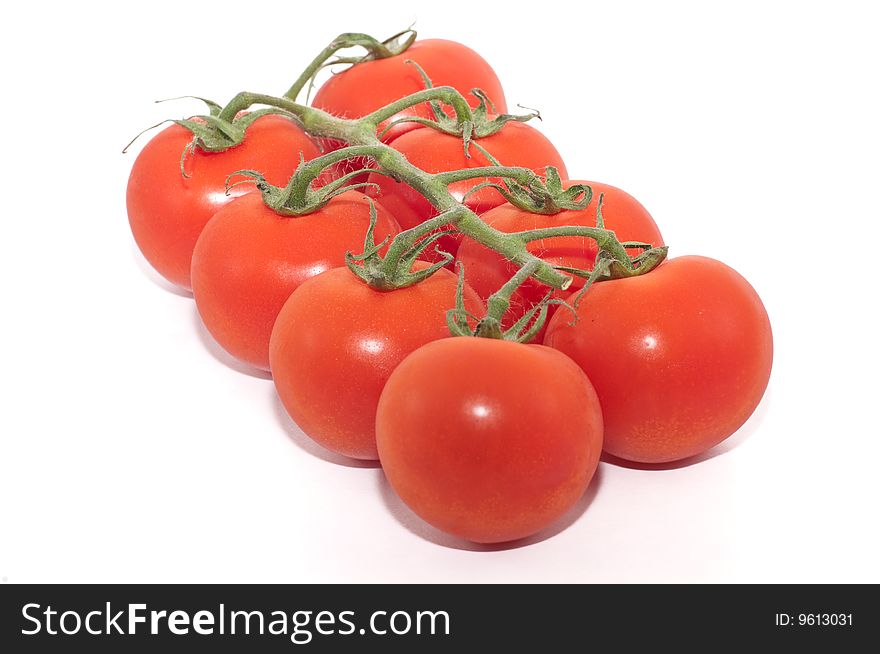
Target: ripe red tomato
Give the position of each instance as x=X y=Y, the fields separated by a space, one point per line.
x=517 y=144
x=679 y=357
x=487 y=271
x=368 y=86
x=167 y=211
x=249 y=260
x=337 y=340
x=486 y=439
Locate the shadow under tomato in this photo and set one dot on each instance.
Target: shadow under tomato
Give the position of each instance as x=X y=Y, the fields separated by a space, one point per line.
x=414 y=524
x=157 y=279
x=739 y=437
x=222 y=355
x=296 y=435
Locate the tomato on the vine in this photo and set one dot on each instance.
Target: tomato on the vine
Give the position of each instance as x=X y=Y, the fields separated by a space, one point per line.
x=487 y=439
x=680 y=357
x=370 y=85
x=337 y=340
x=249 y=259
x=516 y=144
x=167 y=210
x=486 y=270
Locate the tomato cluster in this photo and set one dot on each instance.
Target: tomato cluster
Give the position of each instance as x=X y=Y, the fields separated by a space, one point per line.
x=485 y=438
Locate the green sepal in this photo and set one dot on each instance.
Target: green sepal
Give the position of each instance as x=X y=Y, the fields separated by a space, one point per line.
x=300 y=199
x=389 y=273
x=481 y=126
x=544 y=196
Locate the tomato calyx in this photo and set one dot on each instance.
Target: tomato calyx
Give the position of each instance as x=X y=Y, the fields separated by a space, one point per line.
x=642 y=264
x=524 y=188
x=300 y=196
x=484 y=120
x=285 y=202
x=459 y=319
x=390 y=47
x=544 y=196
x=395 y=269
x=212 y=132
x=609 y=266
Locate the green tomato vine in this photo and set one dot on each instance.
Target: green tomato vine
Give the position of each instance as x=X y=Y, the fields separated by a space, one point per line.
x=225 y=127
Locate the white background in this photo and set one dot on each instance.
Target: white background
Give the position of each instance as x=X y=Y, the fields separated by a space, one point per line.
x=132 y=449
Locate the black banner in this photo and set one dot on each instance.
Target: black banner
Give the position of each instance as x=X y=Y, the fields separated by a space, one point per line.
x=319 y=618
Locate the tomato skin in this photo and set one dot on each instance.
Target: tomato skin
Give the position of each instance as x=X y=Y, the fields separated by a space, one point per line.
x=167 y=211
x=680 y=357
x=486 y=270
x=368 y=86
x=337 y=340
x=249 y=260
x=488 y=440
x=517 y=144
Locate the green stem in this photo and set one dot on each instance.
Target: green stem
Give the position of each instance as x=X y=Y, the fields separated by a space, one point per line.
x=317 y=64
x=524 y=176
x=300 y=183
x=245 y=99
x=445 y=94
x=499 y=302
x=511 y=247
x=407 y=239
x=375 y=50
x=605 y=239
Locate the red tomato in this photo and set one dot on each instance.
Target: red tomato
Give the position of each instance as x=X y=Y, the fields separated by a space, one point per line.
x=486 y=439
x=337 y=340
x=487 y=271
x=517 y=144
x=366 y=87
x=167 y=211
x=249 y=260
x=679 y=357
